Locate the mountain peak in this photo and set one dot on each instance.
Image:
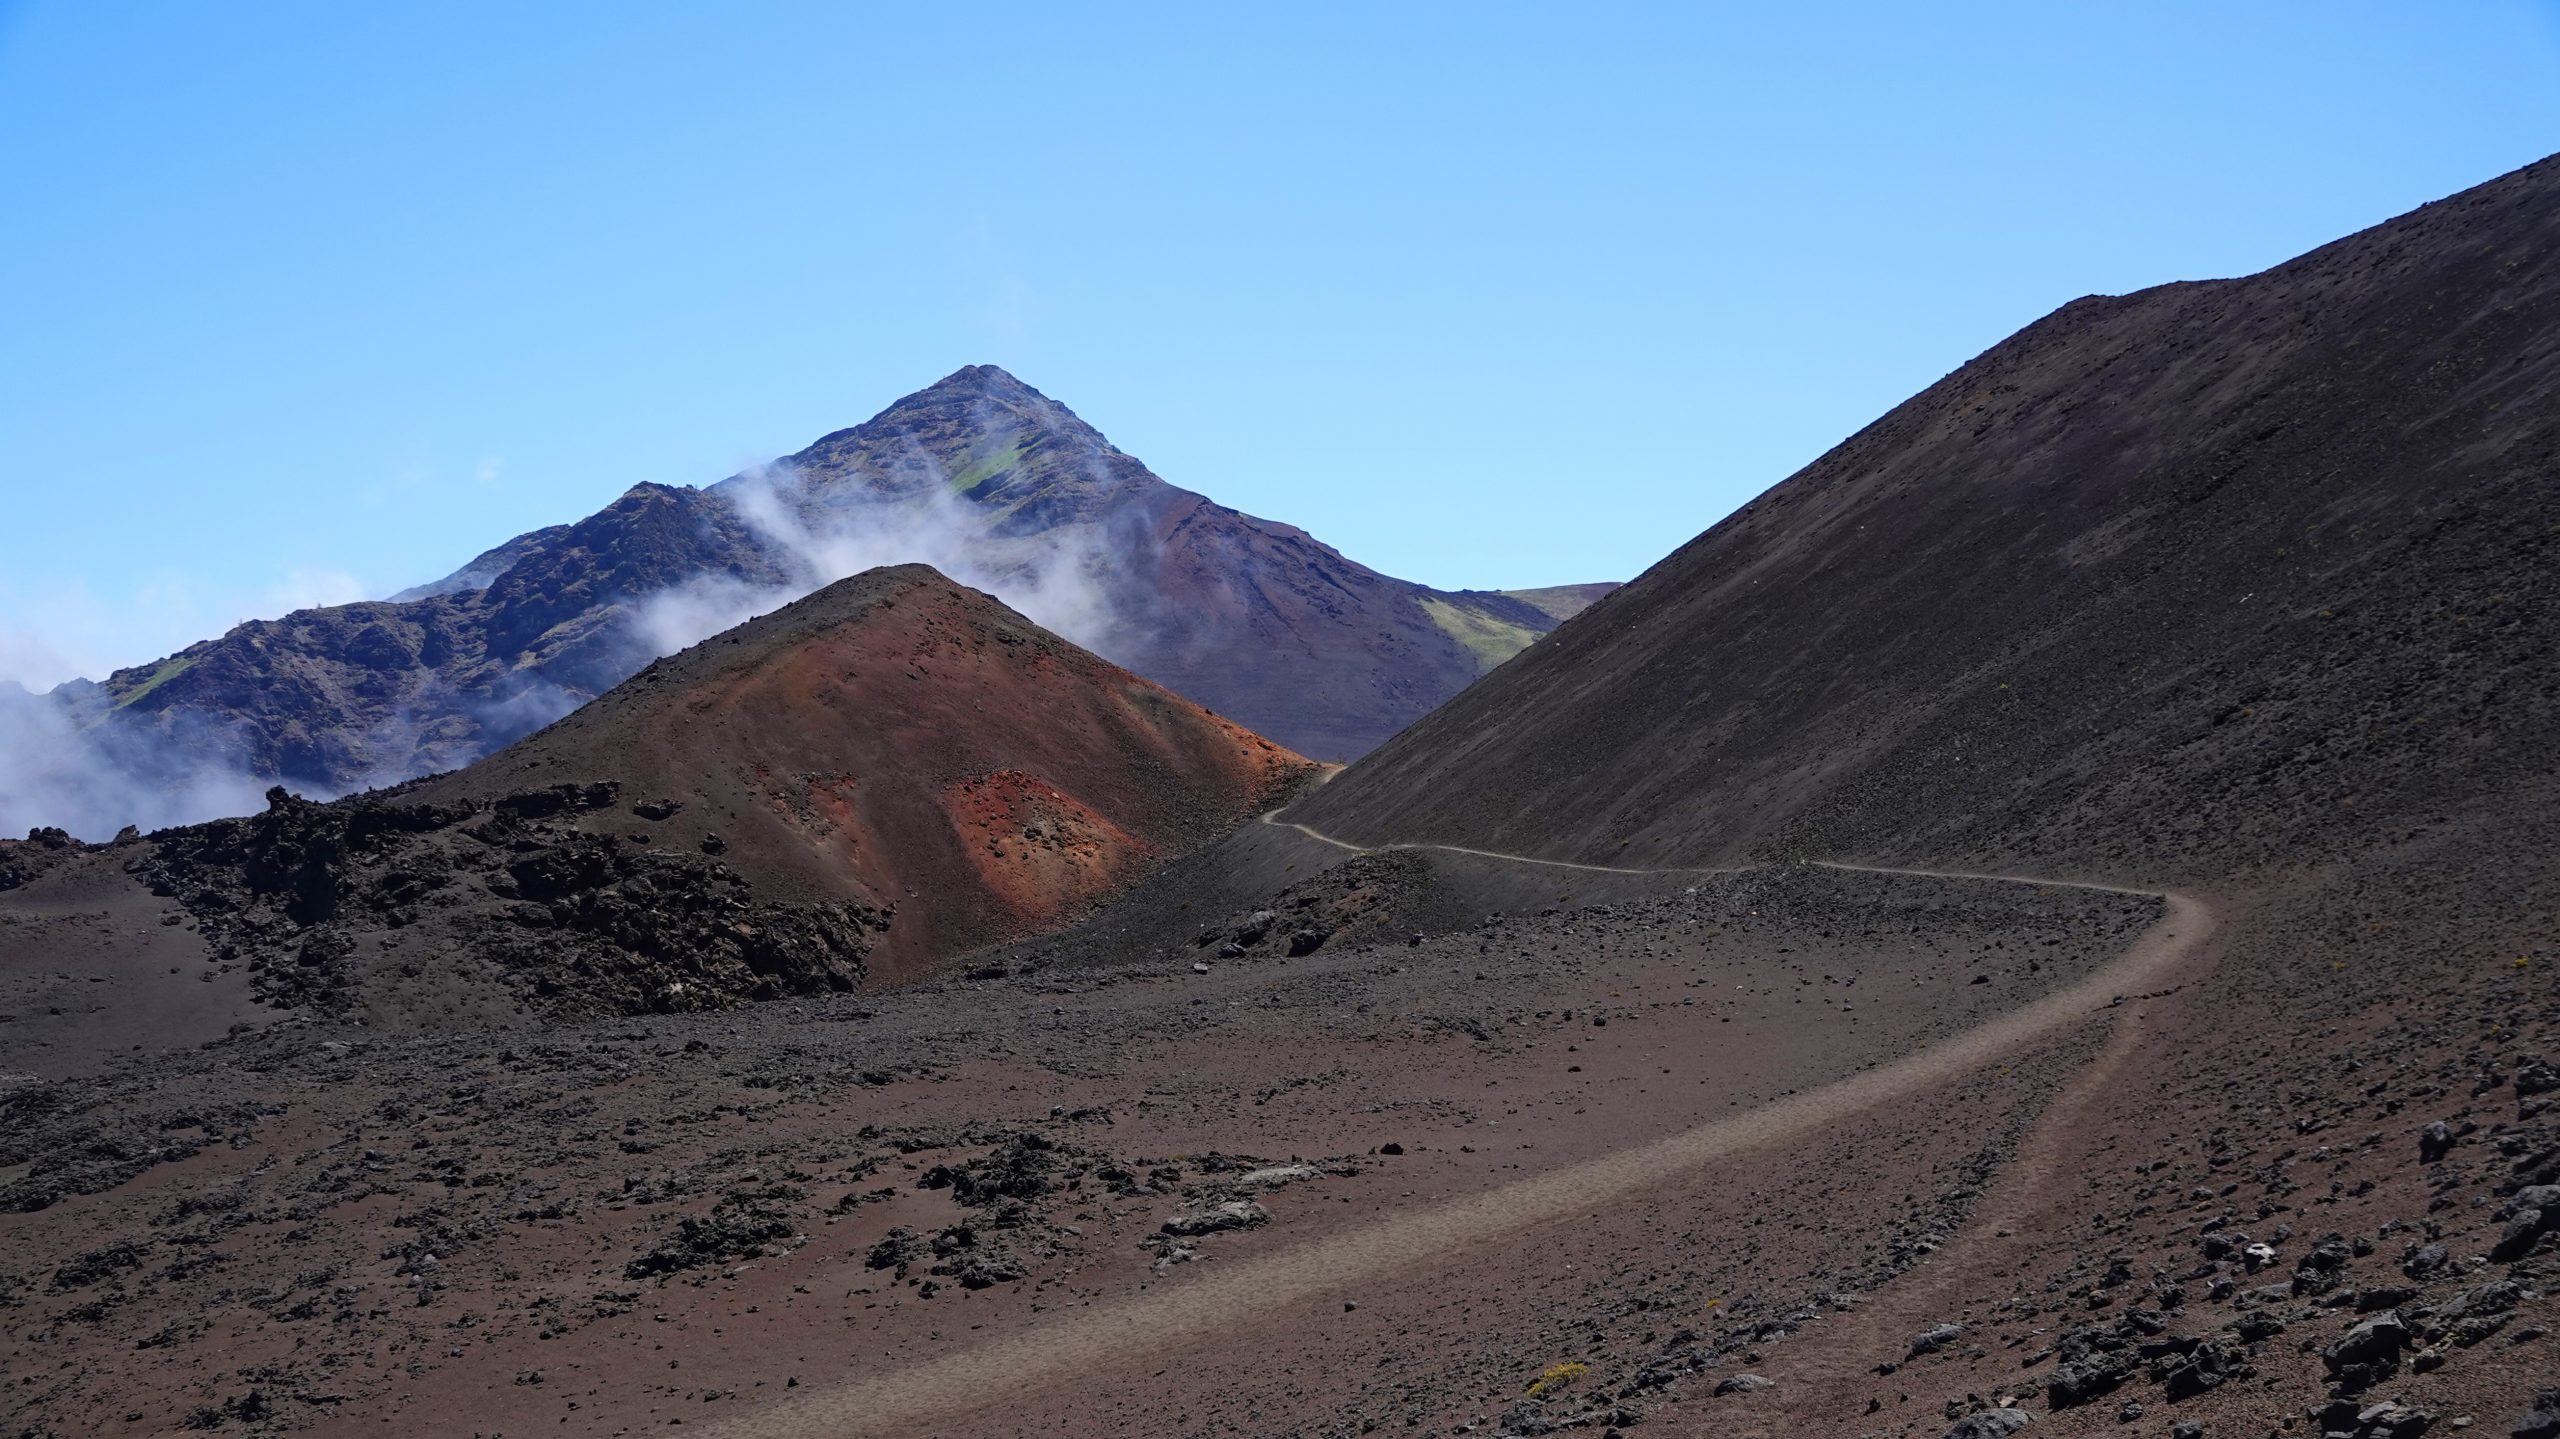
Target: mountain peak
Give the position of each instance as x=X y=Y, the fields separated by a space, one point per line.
x=981 y=382
x=989 y=375
x=982 y=433
x=965 y=402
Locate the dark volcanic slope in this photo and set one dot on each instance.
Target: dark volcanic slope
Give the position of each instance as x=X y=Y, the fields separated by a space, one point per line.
x=979 y=474
x=2237 y=569
x=2243 y=590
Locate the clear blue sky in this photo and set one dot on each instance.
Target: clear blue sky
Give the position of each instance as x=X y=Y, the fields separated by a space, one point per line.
x=307 y=301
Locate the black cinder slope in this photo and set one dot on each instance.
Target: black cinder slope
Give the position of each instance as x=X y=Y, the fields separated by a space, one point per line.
x=2216 y=573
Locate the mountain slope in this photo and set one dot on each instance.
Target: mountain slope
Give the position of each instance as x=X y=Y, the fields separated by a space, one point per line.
x=2238 y=569
x=979 y=475
x=2243 y=593
x=1563 y=602
x=873 y=779
x=913 y=743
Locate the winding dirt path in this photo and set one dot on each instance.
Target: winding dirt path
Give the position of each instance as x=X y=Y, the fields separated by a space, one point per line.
x=908 y=1401
x=1272 y=818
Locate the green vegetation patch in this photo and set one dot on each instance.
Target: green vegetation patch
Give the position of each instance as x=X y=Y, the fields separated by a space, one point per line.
x=1561 y=602
x=176 y=666
x=986 y=465
x=1490 y=640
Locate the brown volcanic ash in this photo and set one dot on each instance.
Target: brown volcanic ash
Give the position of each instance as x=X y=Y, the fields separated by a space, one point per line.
x=2216 y=569
x=903 y=741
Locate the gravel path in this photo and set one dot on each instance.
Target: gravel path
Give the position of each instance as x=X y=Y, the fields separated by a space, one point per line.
x=1229 y=1299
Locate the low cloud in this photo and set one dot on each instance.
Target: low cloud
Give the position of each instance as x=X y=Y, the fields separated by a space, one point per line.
x=1067 y=579
x=62 y=762
x=92 y=779
x=62 y=765
x=33 y=663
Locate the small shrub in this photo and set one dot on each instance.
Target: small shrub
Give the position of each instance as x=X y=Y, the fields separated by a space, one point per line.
x=1557 y=1377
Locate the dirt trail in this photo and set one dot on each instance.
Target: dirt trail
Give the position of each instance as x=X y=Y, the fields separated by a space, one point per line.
x=1829 y=1378
x=910 y=1400
x=1272 y=818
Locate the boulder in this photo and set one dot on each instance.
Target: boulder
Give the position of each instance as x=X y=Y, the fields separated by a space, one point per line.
x=1741 y=1384
x=1989 y=1424
x=1235 y=1214
x=2368 y=1352
x=2541 y=1417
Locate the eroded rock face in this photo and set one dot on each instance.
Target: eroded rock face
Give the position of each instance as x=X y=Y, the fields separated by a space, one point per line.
x=324 y=901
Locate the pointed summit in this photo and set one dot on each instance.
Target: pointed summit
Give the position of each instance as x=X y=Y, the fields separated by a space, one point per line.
x=981 y=434
x=982 y=392
x=987 y=381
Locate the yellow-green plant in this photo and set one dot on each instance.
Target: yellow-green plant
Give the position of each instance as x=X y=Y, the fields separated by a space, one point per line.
x=1558 y=1376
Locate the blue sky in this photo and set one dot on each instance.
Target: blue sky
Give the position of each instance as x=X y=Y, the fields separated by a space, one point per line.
x=305 y=302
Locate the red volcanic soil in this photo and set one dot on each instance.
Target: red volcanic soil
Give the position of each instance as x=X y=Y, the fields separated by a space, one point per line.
x=903 y=741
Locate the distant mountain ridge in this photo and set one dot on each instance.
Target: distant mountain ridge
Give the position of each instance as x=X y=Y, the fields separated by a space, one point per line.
x=857 y=787
x=979 y=475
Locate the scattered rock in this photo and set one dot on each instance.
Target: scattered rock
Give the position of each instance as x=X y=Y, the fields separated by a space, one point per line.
x=1989 y=1424
x=1234 y=1214
x=738 y=1227
x=1741 y=1384
x=2367 y=1353
x=2541 y=1419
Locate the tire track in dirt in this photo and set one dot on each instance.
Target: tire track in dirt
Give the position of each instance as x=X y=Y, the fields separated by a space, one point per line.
x=910 y=1399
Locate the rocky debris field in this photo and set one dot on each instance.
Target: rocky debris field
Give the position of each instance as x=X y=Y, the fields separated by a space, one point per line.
x=2356 y=1268
x=639 y=1219
x=379 y=904
x=44 y=850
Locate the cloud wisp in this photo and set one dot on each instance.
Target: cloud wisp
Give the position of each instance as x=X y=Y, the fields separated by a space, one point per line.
x=1085 y=572
x=1071 y=579
x=93 y=779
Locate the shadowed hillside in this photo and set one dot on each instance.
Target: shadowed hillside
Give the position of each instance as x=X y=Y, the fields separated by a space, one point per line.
x=2226 y=571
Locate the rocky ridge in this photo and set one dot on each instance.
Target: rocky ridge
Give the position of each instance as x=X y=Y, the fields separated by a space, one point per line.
x=979 y=474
